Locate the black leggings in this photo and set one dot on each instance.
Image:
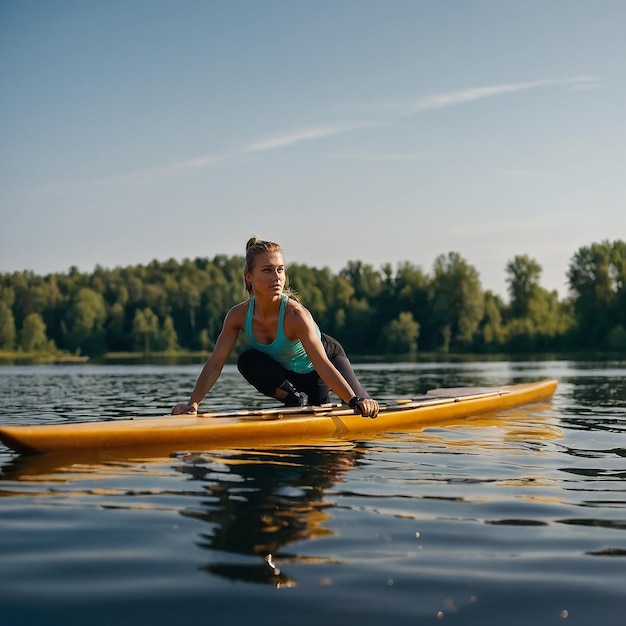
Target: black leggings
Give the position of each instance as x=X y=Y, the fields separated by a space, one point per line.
x=267 y=375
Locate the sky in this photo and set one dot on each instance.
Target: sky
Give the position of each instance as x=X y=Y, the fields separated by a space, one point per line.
x=380 y=131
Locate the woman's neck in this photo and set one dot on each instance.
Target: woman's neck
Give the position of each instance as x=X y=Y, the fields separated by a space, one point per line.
x=267 y=306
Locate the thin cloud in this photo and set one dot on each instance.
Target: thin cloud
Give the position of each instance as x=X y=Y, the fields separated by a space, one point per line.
x=440 y=101
x=305 y=134
x=463 y=96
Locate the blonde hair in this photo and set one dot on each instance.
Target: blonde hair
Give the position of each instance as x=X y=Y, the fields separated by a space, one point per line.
x=254 y=247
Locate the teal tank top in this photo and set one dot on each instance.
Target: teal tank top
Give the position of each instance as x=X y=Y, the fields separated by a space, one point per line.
x=290 y=354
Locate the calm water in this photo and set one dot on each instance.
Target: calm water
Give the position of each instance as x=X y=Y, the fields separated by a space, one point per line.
x=515 y=519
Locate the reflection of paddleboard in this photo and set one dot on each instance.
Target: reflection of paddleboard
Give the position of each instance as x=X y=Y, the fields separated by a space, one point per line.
x=247 y=428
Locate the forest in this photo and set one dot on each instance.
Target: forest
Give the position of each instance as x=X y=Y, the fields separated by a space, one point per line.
x=178 y=307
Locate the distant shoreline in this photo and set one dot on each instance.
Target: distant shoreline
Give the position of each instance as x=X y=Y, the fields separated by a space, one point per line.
x=40 y=358
x=198 y=357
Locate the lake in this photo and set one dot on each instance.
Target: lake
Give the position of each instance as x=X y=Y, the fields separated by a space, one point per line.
x=515 y=518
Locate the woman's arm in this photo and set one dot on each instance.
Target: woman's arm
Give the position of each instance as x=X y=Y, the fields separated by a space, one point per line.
x=213 y=367
x=301 y=322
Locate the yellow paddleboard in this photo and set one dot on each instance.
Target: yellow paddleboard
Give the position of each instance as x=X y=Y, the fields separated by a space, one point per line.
x=247 y=428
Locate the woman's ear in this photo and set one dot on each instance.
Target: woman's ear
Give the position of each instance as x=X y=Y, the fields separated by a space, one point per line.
x=247 y=281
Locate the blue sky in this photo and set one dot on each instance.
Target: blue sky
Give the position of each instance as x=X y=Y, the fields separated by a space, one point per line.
x=382 y=131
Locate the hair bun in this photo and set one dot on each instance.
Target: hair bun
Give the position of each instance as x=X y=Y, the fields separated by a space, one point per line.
x=251 y=242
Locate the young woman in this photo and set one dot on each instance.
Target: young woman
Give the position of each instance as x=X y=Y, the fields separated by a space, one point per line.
x=290 y=356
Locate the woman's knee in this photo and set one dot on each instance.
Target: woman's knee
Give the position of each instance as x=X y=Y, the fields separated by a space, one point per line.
x=248 y=361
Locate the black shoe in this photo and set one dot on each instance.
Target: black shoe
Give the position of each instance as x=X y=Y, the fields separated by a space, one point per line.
x=293 y=399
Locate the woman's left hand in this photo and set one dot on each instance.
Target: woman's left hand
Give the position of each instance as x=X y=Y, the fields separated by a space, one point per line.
x=367 y=407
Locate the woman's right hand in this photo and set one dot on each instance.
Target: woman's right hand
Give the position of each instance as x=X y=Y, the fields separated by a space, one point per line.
x=185 y=409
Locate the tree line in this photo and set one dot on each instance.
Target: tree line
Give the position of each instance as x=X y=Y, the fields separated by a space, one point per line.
x=176 y=306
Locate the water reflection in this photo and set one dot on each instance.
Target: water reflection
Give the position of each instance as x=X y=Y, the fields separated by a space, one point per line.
x=255 y=503
x=259 y=502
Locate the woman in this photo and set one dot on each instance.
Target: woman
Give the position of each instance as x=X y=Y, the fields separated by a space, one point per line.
x=290 y=356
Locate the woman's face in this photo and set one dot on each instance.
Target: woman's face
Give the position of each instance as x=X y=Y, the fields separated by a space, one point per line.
x=268 y=274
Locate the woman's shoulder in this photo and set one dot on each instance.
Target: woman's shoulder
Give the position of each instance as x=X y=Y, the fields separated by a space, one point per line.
x=296 y=311
x=237 y=313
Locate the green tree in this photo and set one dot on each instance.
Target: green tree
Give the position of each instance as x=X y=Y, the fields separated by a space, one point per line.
x=412 y=293
x=618 y=256
x=32 y=336
x=145 y=329
x=400 y=335
x=492 y=328
x=8 y=333
x=617 y=339
x=188 y=301
x=365 y=280
x=206 y=342
x=457 y=300
x=7 y=292
x=523 y=275
x=115 y=329
x=217 y=295
x=339 y=293
x=358 y=333
x=597 y=276
x=535 y=316
x=168 y=339
x=359 y=324
x=155 y=297
x=85 y=322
